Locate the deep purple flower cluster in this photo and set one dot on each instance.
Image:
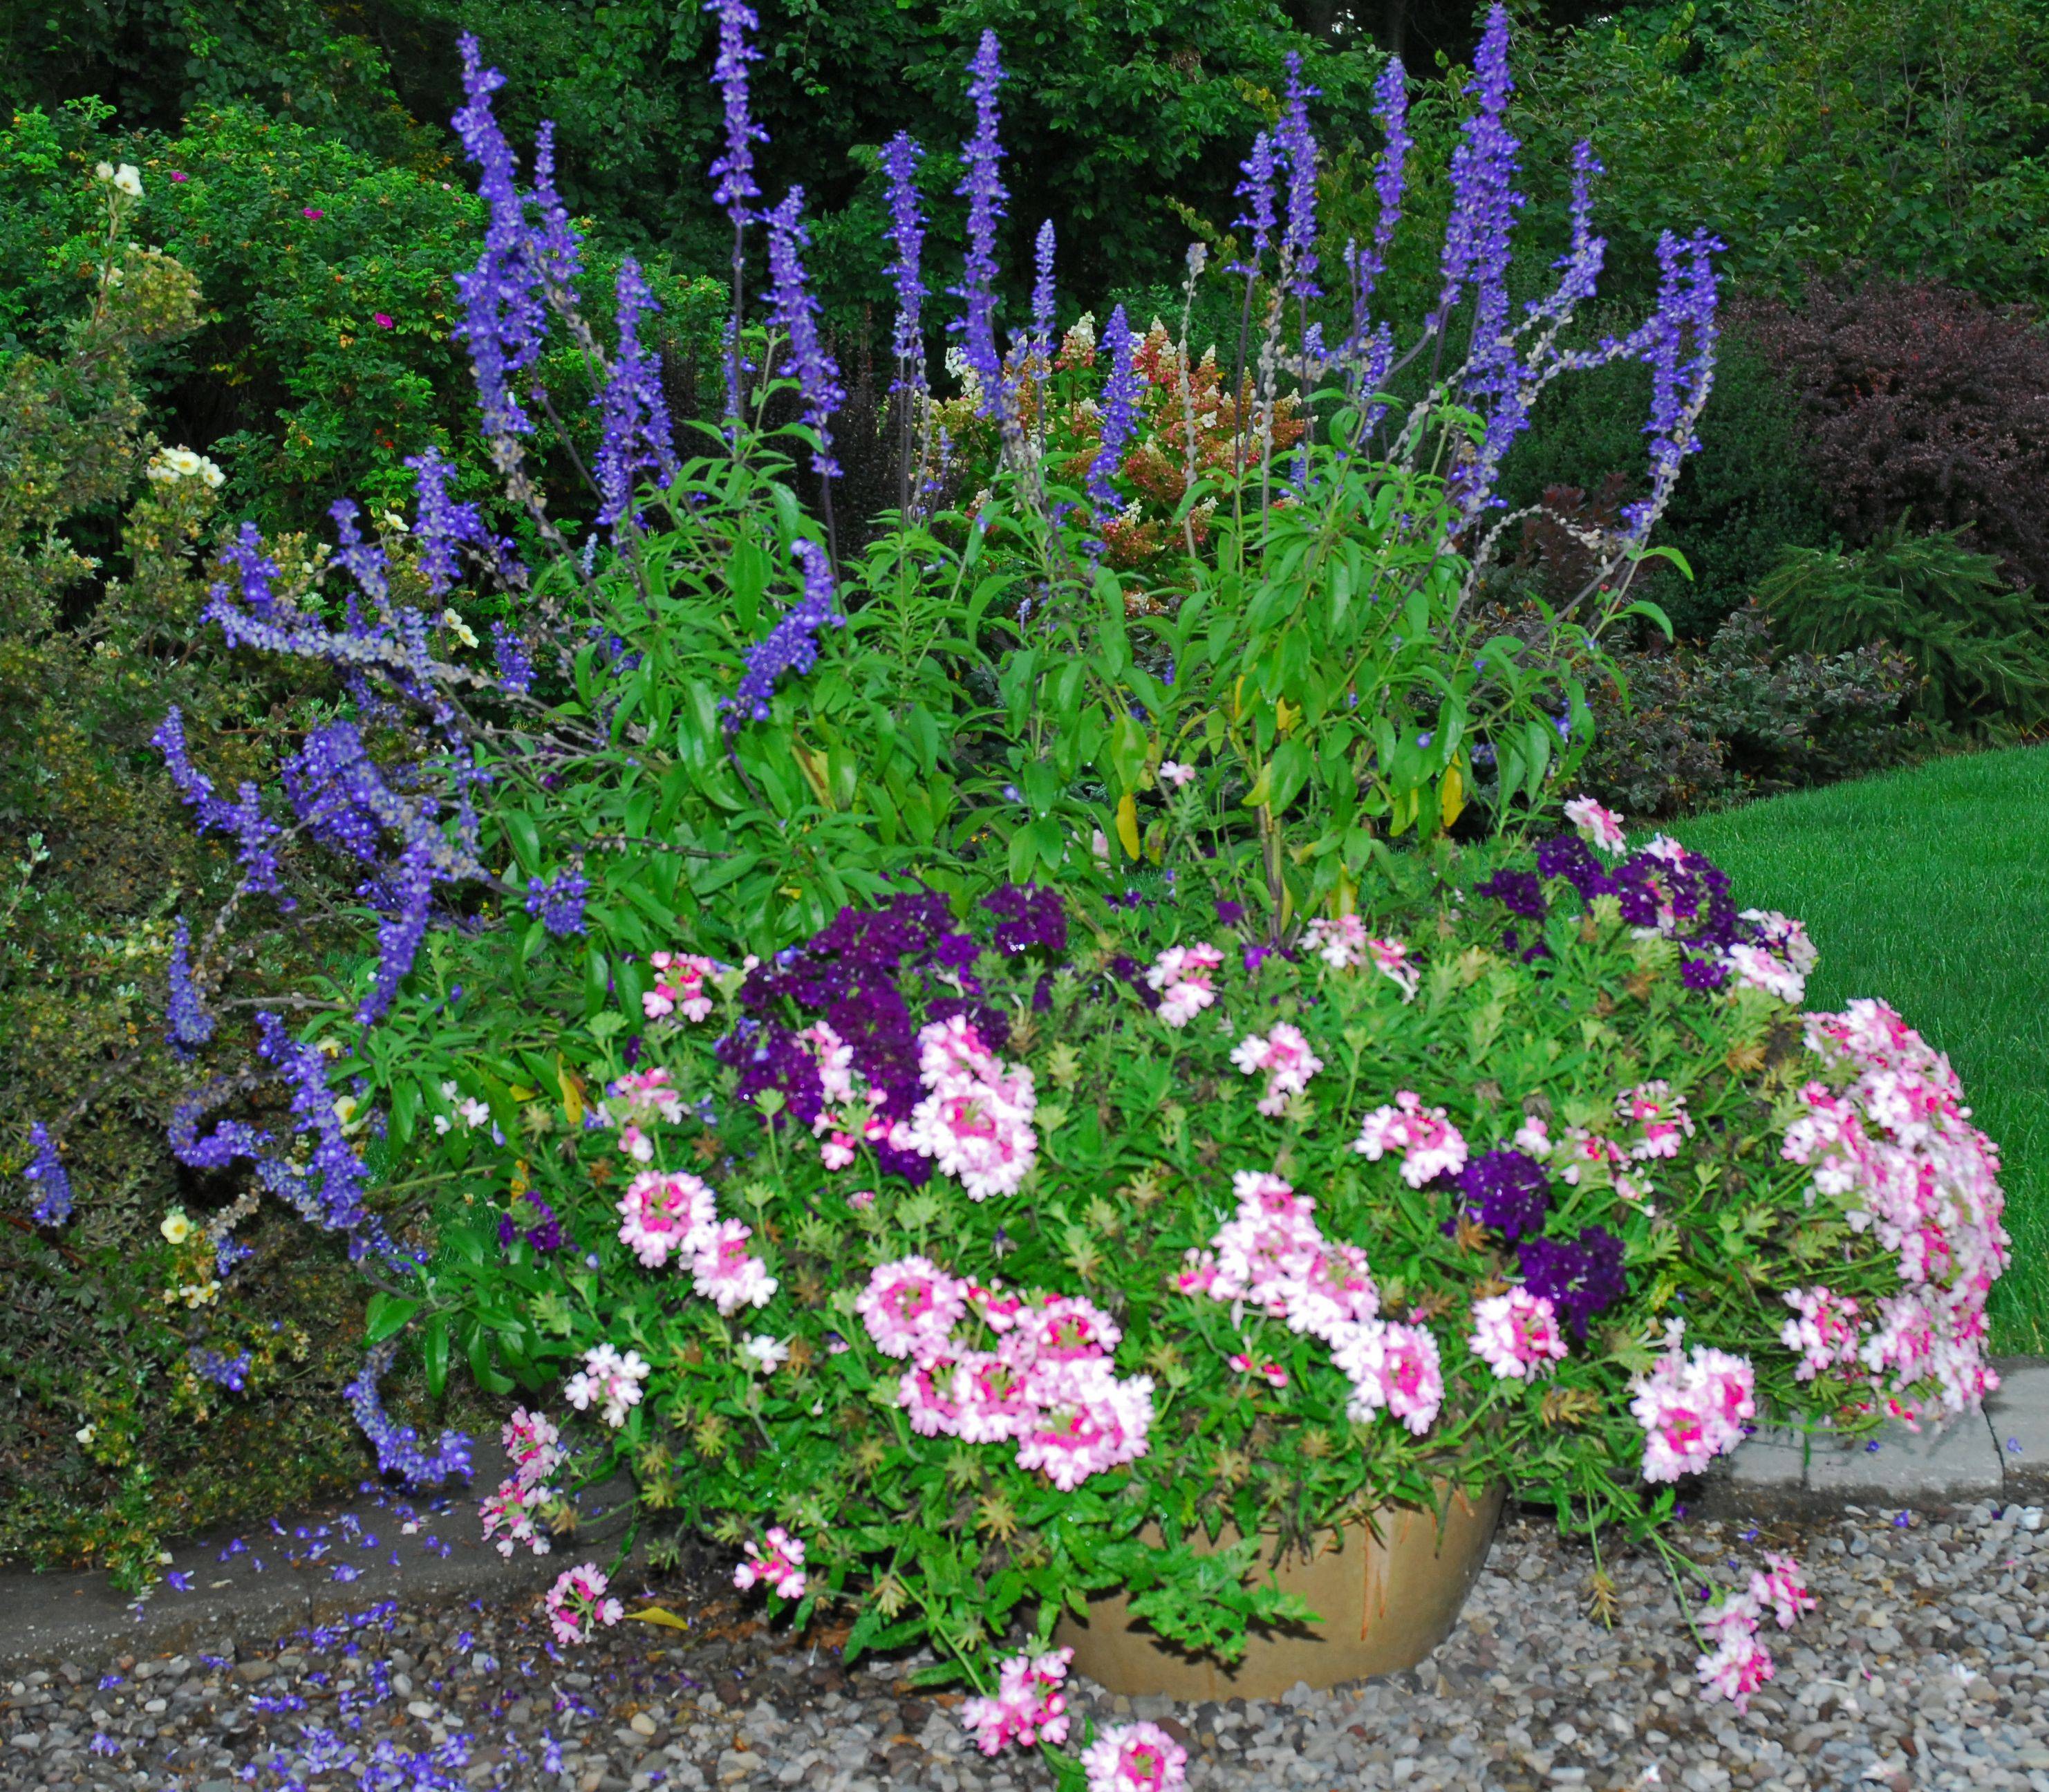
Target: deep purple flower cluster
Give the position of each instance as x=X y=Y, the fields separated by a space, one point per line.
x=794 y=308
x=981 y=186
x=399 y=1450
x=189 y=1025
x=793 y=644
x=636 y=436
x=1029 y=916
x=559 y=902
x=1120 y=394
x=230 y=1372
x=1508 y=1192
x=1580 y=1279
x=1520 y=893
x=46 y=1171
x=542 y=1229
x=900 y=157
x=1689 y=895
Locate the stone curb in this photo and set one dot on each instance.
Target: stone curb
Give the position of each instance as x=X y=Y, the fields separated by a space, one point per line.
x=1999 y=1453
x=264 y=1580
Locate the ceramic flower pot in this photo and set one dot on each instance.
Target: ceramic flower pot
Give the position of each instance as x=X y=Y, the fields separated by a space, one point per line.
x=1386 y=1594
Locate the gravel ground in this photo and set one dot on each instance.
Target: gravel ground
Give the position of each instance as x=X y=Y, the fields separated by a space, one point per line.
x=1927 y=1665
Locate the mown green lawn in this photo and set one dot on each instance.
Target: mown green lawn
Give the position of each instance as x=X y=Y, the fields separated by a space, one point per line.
x=1930 y=888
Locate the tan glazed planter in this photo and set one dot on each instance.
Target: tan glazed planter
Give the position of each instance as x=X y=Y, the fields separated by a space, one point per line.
x=1385 y=1602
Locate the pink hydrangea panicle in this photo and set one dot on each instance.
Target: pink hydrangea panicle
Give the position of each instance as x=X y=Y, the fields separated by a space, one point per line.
x=1184 y=977
x=1339 y=940
x=1659 y=1117
x=910 y=1308
x=726 y=1273
x=1693 y=1408
x=1285 y=1057
x=660 y=1214
x=1597 y=826
x=1391 y=958
x=609 y=1381
x=679 y=986
x=578 y=1605
x=1392 y=1368
x=1824 y=1335
x=1135 y=1757
x=1430 y=1145
x=1028 y=1707
x=1516 y=1334
x=777 y=1562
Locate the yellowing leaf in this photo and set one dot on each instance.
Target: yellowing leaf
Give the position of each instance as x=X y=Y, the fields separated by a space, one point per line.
x=1127 y=825
x=572 y=1086
x=1451 y=795
x=657 y=1614
x=1287 y=714
x=520 y=1182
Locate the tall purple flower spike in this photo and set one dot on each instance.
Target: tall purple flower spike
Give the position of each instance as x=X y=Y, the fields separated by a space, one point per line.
x=733 y=172
x=1120 y=398
x=46 y=1171
x=1257 y=190
x=981 y=186
x=1298 y=148
x=900 y=157
x=636 y=435
x=793 y=644
x=794 y=310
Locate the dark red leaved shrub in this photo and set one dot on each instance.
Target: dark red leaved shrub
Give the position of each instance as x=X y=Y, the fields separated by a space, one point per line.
x=1927 y=399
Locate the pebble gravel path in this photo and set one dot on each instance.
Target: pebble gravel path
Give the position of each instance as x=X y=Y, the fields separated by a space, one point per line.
x=1927 y=1665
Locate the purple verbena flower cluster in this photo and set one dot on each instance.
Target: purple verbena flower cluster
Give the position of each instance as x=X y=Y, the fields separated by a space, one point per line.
x=1580 y=1279
x=1508 y=1192
x=539 y=1226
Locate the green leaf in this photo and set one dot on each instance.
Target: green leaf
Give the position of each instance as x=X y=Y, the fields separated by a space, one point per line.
x=386 y=1316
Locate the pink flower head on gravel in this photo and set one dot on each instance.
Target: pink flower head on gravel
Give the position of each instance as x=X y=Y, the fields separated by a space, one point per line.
x=910 y=1308
x=1184 y=977
x=777 y=1562
x=577 y=1605
x=661 y=1213
x=1135 y=1757
x=1028 y=1707
x=1597 y=826
x=679 y=986
x=1692 y=1408
x=609 y=1381
x=1285 y=1055
x=1738 y=1664
x=534 y=1446
x=1516 y=1334
x=1430 y=1145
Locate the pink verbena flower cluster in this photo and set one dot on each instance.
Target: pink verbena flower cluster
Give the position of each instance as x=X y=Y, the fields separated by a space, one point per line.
x=578 y=1605
x=1516 y=1334
x=1657 y=1116
x=777 y=1562
x=1342 y=942
x=1047 y=1385
x=850 y=1110
x=1692 y=1406
x=1738 y=1663
x=1429 y=1144
x=1185 y=977
x=609 y=1381
x=1778 y=959
x=975 y=1121
x=1599 y=827
x=1824 y=1333
x=534 y=1446
x=1272 y=1258
x=679 y=986
x=1135 y=1757
x=1284 y=1055
x=1888 y=1134
x=1028 y=1706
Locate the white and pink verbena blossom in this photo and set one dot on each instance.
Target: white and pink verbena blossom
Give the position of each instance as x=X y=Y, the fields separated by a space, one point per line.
x=725 y=1272
x=777 y=1562
x=910 y=1308
x=1392 y=1368
x=1272 y=1255
x=1028 y=1706
x=1780 y=1588
x=1516 y=1334
x=1285 y=1057
x=1339 y=940
x=1172 y=772
x=1825 y=1334
x=578 y=1606
x=1135 y=1757
x=1739 y=1664
x=1390 y=959
x=679 y=986
x=1184 y=977
x=1086 y=1420
x=661 y=1214
x=607 y=1381
x=1597 y=826
x=975 y=1121
x=533 y=1445
x=641 y=1098
x=1693 y=1408
x=1659 y=1117
x=1885 y=1133
x=1430 y=1145
x=1777 y=958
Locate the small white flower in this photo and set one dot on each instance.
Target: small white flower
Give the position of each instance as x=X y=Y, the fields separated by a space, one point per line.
x=84 y=1434
x=129 y=178
x=769 y=1353
x=102 y=171
x=464 y=632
